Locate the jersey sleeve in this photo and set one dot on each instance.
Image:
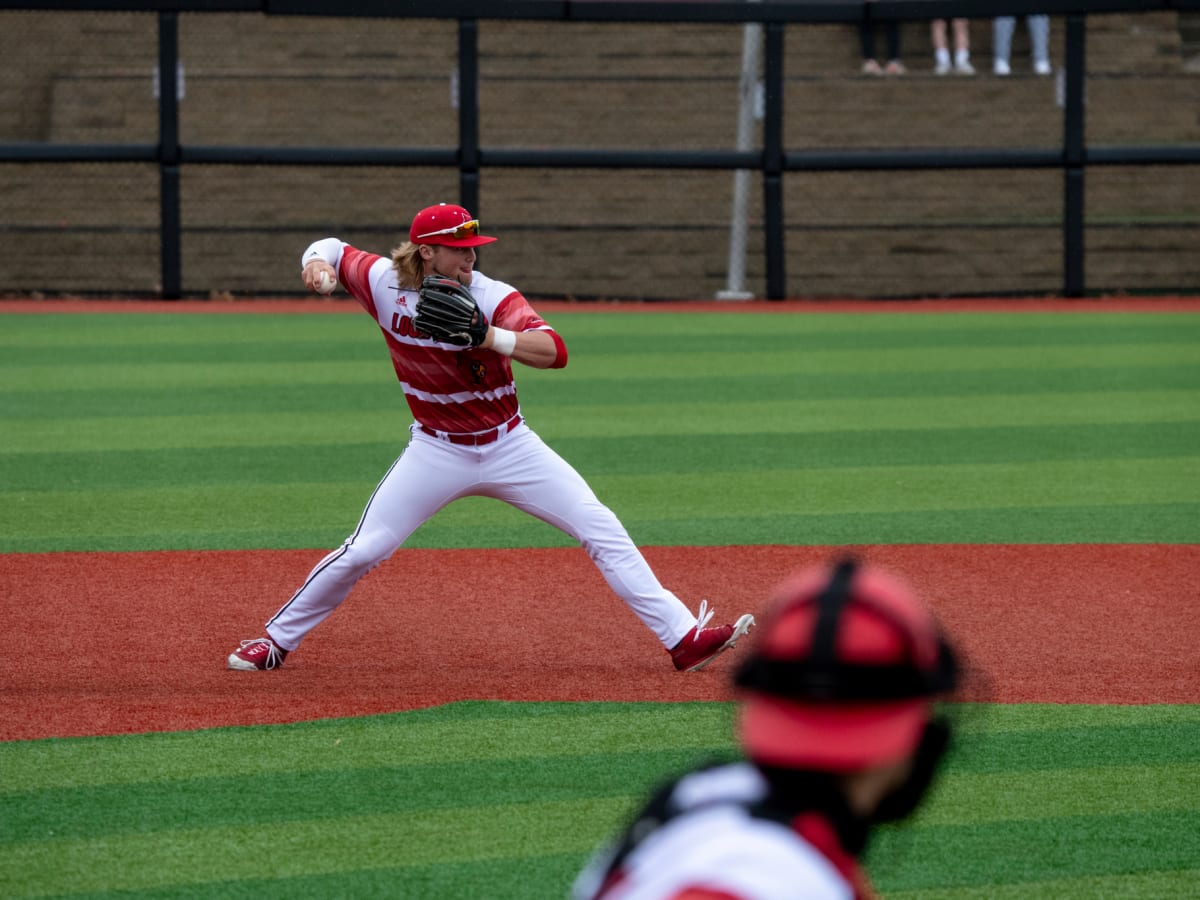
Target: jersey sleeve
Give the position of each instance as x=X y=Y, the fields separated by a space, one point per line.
x=515 y=313
x=354 y=272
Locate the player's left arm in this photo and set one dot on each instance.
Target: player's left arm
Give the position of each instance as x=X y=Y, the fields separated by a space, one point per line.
x=533 y=348
x=535 y=343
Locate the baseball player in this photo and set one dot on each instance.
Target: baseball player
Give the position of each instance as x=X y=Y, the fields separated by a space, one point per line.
x=453 y=334
x=839 y=733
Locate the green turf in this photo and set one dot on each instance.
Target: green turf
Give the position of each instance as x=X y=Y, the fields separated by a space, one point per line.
x=124 y=432
x=238 y=431
x=433 y=803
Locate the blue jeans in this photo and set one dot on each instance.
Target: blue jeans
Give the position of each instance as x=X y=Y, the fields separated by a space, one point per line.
x=1039 y=37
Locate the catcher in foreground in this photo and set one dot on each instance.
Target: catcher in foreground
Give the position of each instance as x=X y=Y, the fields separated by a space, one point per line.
x=841 y=728
x=453 y=334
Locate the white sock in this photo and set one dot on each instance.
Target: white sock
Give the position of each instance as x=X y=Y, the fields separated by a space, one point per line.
x=961 y=57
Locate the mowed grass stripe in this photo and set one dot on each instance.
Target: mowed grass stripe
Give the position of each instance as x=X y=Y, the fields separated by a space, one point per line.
x=974 y=854
x=349 y=843
x=1128 y=524
x=510 y=880
x=694 y=365
x=472 y=731
x=962 y=799
x=992 y=738
x=128 y=332
x=1070 y=482
x=1064 y=791
x=107 y=334
x=1149 y=886
x=1032 y=718
x=863 y=384
x=207 y=375
x=1133 y=524
x=713 y=454
x=1059 y=745
x=944 y=326
x=346 y=791
x=926 y=359
x=265 y=345
x=529 y=877
x=552 y=390
x=1047 y=849
x=554 y=393
x=696 y=418
x=1102 y=500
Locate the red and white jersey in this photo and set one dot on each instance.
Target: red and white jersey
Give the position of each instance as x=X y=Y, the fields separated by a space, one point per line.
x=711 y=842
x=448 y=388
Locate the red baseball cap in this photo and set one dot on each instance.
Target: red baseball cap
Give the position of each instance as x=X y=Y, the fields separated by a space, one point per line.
x=844 y=673
x=447 y=224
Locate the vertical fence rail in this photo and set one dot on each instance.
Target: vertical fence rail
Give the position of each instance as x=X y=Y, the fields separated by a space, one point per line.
x=171 y=225
x=1073 y=158
x=774 y=235
x=468 y=114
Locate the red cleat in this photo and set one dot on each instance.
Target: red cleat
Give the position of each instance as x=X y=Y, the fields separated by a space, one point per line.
x=701 y=645
x=260 y=653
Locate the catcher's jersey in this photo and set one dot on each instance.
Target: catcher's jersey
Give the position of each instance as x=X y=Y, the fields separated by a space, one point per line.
x=713 y=844
x=448 y=388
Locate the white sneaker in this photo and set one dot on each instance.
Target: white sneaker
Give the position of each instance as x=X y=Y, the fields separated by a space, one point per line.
x=1042 y=67
x=964 y=67
x=1001 y=67
x=942 y=67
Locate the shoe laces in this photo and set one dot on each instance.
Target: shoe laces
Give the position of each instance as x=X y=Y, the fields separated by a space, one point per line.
x=274 y=657
x=703 y=619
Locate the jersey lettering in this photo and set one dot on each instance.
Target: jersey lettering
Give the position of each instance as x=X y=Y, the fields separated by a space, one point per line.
x=403 y=326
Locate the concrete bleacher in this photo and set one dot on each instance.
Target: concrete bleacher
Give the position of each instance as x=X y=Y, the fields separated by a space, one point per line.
x=254 y=80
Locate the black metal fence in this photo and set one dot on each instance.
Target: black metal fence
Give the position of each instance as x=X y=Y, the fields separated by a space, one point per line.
x=793 y=173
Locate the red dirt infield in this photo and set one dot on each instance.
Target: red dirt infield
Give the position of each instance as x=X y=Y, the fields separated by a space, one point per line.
x=110 y=643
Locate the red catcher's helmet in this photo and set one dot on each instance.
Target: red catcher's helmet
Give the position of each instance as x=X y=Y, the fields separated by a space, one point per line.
x=447 y=224
x=843 y=672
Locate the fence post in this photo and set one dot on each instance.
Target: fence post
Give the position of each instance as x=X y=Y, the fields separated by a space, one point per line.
x=468 y=114
x=739 y=223
x=773 y=225
x=170 y=234
x=1073 y=157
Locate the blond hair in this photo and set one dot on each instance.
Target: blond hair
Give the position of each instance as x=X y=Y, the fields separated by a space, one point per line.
x=410 y=268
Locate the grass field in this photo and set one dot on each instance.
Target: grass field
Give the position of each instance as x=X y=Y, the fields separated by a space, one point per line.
x=238 y=431
x=243 y=431
x=495 y=800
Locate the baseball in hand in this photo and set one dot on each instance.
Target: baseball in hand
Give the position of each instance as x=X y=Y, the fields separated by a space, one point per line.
x=325 y=283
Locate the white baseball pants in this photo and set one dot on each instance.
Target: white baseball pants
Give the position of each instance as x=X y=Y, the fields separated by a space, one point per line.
x=518 y=468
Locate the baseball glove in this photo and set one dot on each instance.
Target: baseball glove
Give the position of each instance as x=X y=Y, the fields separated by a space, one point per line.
x=447 y=312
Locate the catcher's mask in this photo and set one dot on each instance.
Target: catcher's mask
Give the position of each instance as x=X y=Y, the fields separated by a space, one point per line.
x=446 y=224
x=843 y=673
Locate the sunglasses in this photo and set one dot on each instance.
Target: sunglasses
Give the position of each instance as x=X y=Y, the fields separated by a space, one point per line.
x=469 y=228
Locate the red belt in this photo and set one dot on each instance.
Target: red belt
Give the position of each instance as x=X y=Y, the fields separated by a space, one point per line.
x=477 y=438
